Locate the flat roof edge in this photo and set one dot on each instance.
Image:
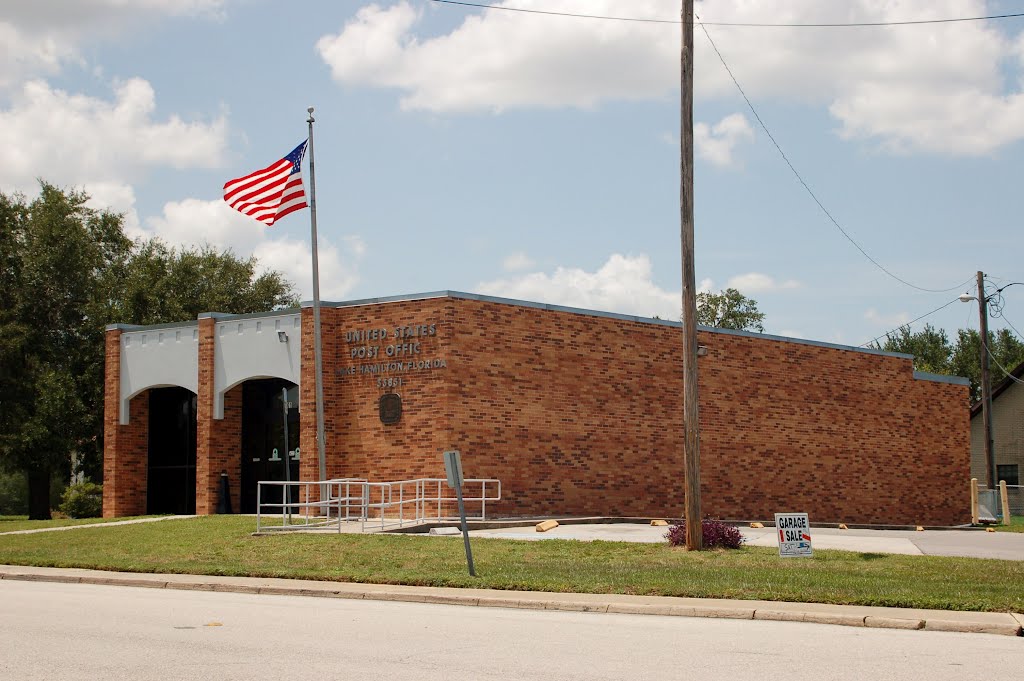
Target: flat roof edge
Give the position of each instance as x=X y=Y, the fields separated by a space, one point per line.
x=612 y=315
x=223 y=316
x=941 y=378
x=151 y=327
x=408 y=297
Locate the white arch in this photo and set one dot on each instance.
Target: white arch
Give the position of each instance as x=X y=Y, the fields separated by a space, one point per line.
x=247 y=349
x=157 y=358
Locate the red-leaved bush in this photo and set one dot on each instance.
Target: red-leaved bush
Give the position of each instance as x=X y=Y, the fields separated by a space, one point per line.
x=716 y=534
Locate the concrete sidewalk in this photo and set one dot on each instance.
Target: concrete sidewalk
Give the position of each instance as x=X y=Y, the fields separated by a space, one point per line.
x=959 y=543
x=114 y=523
x=847 y=615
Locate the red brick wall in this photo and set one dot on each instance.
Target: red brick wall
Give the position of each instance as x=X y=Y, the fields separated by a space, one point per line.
x=125 y=448
x=358 y=444
x=582 y=415
x=218 y=442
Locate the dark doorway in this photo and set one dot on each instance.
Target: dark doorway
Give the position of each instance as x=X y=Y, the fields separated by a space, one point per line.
x=172 y=452
x=263 y=451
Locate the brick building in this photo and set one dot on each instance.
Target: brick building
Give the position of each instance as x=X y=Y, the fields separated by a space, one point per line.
x=576 y=412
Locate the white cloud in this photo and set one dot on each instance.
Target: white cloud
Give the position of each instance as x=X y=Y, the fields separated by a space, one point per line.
x=192 y=222
x=623 y=284
x=38 y=38
x=517 y=262
x=890 y=321
x=716 y=143
x=501 y=60
x=756 y=282
x=78 y=140
x=938 y=88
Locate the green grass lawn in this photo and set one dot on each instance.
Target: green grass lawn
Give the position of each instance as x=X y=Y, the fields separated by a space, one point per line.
x=1016 y=525
x=11 y=523
x=223 y=545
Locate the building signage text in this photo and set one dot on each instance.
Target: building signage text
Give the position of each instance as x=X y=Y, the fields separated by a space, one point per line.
x=396 y=349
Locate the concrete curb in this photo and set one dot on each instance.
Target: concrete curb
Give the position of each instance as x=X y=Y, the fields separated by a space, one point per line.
x=1004 y=624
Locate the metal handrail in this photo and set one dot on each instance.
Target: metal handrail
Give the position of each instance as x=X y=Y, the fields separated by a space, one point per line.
x=372 y=504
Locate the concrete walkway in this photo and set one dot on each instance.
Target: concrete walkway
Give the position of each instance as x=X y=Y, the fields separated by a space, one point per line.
x=855 y=616
x=112 y=523
x=963 y=543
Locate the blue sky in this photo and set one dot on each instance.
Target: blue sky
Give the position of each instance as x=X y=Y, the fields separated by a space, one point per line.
x=536 y=157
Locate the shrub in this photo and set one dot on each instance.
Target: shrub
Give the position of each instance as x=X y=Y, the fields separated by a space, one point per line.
x=716 y=534
x=82 y=500
x=13 y=494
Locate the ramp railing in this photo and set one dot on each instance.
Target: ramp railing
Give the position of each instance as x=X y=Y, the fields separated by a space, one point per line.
x=338 y=504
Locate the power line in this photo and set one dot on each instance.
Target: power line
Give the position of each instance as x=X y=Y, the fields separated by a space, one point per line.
x=907 y=325
x=810 y=192
x=1004 y=369
x=559 y=14
x=752 y=109
x=732 y=23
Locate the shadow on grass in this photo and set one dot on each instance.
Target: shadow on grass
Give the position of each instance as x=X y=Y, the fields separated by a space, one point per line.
x=871 y=556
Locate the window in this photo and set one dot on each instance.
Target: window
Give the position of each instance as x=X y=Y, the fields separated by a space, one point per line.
x=1009 y=473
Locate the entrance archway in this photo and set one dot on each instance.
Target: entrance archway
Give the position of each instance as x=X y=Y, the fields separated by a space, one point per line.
x=264 y=454
x=171 y=480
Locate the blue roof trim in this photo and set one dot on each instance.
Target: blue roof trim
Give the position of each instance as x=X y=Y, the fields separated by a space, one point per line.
x=598 y=313
x=151 y=327
x=543 y=306
x=223 y=317
x=940 y=378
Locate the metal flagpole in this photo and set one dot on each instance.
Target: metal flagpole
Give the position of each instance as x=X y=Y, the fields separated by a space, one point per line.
x=317 y=358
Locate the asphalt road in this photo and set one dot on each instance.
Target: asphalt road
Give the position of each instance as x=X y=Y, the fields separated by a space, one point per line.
x=73 y=631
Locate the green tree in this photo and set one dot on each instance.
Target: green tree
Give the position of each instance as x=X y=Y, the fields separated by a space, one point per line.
x=729 y=309
x=161 y=284
x=930 y=347
x=934 y=353
x=67 y=271
x=965 y=358
x=54 y=250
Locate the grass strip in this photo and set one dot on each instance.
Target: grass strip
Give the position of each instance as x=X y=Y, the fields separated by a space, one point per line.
x=1016 y=525
x=223 y=545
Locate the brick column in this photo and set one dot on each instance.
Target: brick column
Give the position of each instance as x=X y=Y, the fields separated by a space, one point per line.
x=125 y=448
x=309 y=463
x=218 y=442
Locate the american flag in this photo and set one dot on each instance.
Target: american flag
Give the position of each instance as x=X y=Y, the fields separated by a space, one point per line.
x=271 y=193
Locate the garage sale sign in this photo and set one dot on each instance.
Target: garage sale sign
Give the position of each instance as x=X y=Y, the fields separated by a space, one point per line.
x=794 y=534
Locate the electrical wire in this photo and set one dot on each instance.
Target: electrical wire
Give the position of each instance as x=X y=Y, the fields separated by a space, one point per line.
x=907 y=325
x=733 y=23
x=1019 y=335
x=1004 y=369
x=785 y=158
x=810 y=192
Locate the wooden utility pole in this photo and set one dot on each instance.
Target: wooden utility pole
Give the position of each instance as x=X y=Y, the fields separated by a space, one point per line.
x=986 y=384
x=691 y=436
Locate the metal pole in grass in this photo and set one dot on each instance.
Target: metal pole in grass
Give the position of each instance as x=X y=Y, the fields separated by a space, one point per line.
x=453 y=469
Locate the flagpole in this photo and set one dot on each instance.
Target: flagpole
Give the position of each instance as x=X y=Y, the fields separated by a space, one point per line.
x=317 y=358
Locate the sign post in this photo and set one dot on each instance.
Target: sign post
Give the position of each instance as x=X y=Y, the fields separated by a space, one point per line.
x=453 y=469
x=794 y=532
